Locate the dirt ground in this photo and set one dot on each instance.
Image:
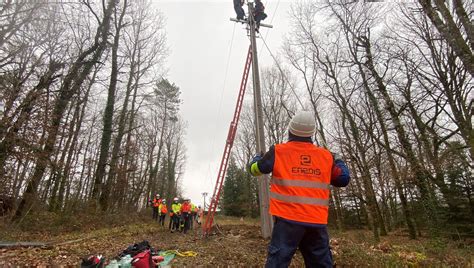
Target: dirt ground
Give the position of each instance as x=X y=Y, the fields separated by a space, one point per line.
x=235 y=243
x=230 y=245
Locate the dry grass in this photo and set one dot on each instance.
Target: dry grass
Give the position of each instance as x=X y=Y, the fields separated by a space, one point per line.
x=238 y=243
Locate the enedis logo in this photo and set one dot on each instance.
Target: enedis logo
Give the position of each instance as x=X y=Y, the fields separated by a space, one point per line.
x=305 y=167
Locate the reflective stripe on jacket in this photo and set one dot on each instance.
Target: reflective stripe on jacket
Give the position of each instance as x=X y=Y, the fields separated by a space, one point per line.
x=300 y=182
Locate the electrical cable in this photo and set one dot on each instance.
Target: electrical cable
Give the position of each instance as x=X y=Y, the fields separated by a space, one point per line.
x=278 y=65
x=271 y=20
x=282 y=73
x=222 y=97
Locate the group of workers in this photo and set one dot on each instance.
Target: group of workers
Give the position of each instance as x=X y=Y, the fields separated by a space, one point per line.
x=302 y=174
x=182 y=215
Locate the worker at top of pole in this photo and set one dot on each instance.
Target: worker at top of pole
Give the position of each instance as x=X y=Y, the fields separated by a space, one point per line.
x=259 y=14
x=239 y=10
x=299 y=194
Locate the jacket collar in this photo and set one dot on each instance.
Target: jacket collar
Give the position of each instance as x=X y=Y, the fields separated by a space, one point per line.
x=292 y=137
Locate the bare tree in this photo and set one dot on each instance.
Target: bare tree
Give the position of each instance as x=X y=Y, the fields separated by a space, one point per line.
x=72 y=82
x=460 y=37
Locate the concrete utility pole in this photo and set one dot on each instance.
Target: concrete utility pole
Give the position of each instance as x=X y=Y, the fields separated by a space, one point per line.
x=264 y=181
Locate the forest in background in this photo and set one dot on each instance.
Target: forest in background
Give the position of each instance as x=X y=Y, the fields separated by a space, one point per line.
x=391 y=86
x=89 y=120
x=87 y=116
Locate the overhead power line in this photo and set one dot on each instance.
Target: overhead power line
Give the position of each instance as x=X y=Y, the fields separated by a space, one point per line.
x=282 y=73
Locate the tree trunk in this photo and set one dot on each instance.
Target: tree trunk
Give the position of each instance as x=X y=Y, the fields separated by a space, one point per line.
x=361 y=151
x=54 y=205
x=154 y=170
x=108 y=120
x=450 y=31
x=71 y=85
x=24 y=110
x=421 y=176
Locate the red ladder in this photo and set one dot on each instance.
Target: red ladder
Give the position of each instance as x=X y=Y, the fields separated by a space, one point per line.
x=228 y=146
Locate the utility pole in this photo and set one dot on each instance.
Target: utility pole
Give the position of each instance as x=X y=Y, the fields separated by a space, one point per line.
x=264 y=181
x=204 y=197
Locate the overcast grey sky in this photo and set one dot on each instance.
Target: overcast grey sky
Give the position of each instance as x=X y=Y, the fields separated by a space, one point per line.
x=199 y=34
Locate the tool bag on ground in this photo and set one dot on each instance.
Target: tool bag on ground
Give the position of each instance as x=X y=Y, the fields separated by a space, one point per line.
x=135 y=249
x=143 y=260
x=141 y=254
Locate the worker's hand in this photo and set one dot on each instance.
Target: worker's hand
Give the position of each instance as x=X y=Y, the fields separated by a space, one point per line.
x=256 y=158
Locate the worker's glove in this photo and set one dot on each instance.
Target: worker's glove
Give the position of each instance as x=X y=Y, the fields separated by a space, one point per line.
x=254 y=159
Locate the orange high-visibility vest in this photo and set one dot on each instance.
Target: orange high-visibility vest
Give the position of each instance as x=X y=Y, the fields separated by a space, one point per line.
x=186 y=207
x=163 y=208
x=156 y=202
x=300 y=182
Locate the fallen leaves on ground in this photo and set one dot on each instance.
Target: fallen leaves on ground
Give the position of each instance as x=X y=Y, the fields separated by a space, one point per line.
x=232 y=243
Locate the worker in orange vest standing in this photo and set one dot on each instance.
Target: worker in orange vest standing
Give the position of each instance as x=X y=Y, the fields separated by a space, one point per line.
x=162 y=210
x=156 y=203
x=186 y=214
x=299 y=194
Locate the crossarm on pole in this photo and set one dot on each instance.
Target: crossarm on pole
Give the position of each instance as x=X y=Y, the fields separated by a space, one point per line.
x=245 y=21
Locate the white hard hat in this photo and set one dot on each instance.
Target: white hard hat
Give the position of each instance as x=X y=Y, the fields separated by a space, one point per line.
x=157 y=194
x=175 y=199
x=164 y=200
x=302 y=124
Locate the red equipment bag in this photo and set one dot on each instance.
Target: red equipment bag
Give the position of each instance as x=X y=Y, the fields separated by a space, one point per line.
x=143 y=260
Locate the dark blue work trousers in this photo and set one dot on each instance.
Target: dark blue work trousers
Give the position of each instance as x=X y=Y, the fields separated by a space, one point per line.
x=313 y=243
x=239 y=10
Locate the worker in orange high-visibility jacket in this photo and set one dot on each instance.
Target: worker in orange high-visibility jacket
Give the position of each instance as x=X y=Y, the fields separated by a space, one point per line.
x=155 y=204
x=162 y=210
x=186 y=214
x=299 y=194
